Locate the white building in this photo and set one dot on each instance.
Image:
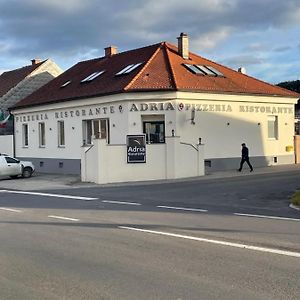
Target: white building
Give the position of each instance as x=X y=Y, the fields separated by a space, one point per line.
x=79 y=122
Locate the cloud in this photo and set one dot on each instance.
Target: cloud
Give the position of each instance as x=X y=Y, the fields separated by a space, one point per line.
x=282 y=48
x=244 y=61
x=73 y=30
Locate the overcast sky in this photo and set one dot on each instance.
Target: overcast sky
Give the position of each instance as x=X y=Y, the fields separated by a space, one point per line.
x=261 y=35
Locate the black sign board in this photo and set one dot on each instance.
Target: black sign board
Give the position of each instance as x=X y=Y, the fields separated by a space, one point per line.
x=136 y=148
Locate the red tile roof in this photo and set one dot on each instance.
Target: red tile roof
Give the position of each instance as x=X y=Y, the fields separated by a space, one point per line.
x=10 y=79
x=162 y=70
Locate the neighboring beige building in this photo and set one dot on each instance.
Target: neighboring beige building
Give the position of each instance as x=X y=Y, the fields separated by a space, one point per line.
x=17 y=84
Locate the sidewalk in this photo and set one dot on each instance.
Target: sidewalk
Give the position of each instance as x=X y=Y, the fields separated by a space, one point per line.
x=41 y=181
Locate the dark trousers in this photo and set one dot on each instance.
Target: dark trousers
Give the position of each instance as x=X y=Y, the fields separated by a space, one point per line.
x=245 y=159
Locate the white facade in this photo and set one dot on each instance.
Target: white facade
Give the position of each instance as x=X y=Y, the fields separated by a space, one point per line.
x=222 y=121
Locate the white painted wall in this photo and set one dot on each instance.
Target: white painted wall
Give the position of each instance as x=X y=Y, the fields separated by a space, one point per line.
x=6 y=144
x=221 y=132
x=108 y=163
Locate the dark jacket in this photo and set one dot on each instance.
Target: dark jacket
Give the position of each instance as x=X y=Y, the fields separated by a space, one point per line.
x=245 y=152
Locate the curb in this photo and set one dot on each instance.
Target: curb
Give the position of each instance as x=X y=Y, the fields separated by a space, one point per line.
x=294 y=207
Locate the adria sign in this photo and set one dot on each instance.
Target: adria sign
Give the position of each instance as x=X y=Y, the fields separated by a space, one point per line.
x=136 y=148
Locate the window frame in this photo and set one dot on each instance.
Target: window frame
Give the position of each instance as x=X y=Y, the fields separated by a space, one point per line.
x=25 y=135
x=61 y=137
x=42 y=134
x=272 y=119
x=89 y=127
x=149 y=139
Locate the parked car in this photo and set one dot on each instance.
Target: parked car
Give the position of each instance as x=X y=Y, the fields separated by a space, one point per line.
x=13 y=167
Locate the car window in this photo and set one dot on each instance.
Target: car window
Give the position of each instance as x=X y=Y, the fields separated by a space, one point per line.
x=11 y=160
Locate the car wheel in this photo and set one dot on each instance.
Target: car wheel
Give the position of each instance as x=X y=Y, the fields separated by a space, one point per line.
x=27 y=172
x=14 y=176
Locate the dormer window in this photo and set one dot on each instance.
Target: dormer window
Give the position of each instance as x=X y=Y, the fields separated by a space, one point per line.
x=66 y=83
x=128 y=69
x=92 y=76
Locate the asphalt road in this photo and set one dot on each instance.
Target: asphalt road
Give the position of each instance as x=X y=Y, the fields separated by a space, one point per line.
x=233 y=238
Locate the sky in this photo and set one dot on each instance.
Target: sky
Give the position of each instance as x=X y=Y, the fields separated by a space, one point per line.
x=263 y=36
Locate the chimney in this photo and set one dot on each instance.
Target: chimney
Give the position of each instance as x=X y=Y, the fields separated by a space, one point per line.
x=35 y=61
x=110 y=51
x=242 y=70
x=183 y=45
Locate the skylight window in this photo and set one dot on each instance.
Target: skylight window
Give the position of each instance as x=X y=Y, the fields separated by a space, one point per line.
x=206 y=71
x=215 y=71
x=66 y=83
x=92 y=76
x=128 y=69
x=194 y=69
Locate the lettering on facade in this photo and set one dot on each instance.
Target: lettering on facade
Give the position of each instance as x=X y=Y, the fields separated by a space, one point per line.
x=155 y=107
x=266 y=109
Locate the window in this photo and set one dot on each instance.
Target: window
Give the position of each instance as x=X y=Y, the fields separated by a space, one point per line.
x=25 y=135
x=61 y=133
x=97 y=128
x=194 y=69
x=215 y=71
x=155 y=131
x=129 y=69
x=206 y=70
x=65 y=84
x=92 y=76
x=11 y=160
x=42 y=137
x=203 y=70
x=272 y=127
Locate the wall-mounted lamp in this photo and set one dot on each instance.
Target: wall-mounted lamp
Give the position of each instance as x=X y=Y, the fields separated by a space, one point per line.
x=193 y=116
x=134 y=124
x=228 y=123
x=50 y=128
x=73 y=127
x=170 y=122
x=200 y=141
x=258 y=124
x=173 y=132
x=114 y=125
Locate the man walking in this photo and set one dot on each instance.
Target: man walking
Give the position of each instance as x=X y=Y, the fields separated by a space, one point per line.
x=245 y=158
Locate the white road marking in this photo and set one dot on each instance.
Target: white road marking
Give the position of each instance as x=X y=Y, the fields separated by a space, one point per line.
x=64 y=218
x=10 y=209
x=223 y=243
x=266 y=217
x=48 y=195
x=183 y=208
x=120 y=202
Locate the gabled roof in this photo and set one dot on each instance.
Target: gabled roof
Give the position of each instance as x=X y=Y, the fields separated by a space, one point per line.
x=10 y=79
x=162 y=69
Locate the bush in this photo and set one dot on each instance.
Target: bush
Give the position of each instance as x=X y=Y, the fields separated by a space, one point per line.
x=296 y=198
